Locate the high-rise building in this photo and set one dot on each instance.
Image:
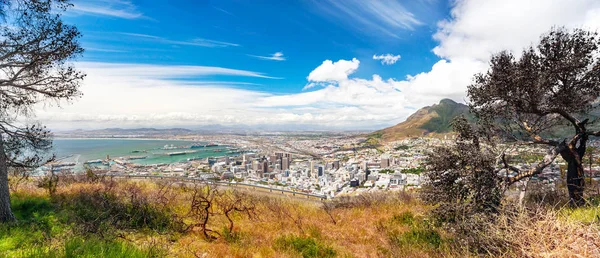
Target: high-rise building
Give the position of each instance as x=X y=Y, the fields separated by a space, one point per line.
x=336 y=164
x=265 y=168
x=285 y=163
x=385 y=162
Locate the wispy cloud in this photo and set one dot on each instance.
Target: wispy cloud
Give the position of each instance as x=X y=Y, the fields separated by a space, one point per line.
x=223 y=11
x=385 y=17
x=106 y=50
x=113 y=8
x=168 y=72
x=277 y=56
x=387 y=59
x=199 y=42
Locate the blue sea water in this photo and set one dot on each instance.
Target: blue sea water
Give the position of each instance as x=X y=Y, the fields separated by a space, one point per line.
x=81 y=150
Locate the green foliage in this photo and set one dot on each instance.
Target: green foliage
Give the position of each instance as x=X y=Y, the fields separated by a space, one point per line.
x=92 y=247
x=404 y=218
x=447 y=110
x=417 y=237
x=587 y=215
x=387 y=171
x=231 y=237
x=98 y=211
x=306 y=246
x=373 y=139
x=406 y=231
x=402 y=147
x=49 y=183
x=416 y=171
x=42 y=230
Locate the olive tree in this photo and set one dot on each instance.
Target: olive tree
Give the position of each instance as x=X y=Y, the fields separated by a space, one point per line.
x=545 y=96
x=35 y=47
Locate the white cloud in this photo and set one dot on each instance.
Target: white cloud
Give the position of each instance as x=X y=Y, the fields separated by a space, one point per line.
x=113 y=8
x=382 y=17
x=133 y=95
x=277 y=56
x=148 y=71
x=387 y=59
x=128 y=95
x=480 y=28
x=333 y=71
x=198 y=42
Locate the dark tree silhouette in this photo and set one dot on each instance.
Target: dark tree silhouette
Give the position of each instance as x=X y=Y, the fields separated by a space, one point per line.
x=552 y=86
x=35 y=46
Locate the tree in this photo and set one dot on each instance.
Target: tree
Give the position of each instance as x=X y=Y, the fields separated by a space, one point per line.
x=35 y=47
x=462 y=178
x=547 y=89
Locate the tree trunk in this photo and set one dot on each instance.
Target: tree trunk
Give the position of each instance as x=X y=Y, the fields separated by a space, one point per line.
x=5 y=211
x=523 y=190
x=575 y=172
x=575 y=182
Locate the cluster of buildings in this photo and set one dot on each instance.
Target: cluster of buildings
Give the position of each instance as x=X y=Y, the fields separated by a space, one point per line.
x=330 y=167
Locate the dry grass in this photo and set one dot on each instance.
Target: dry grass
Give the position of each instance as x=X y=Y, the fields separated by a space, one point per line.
x=389 y=224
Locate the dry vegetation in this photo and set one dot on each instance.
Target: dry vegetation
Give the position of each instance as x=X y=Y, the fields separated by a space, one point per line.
x=104 y=217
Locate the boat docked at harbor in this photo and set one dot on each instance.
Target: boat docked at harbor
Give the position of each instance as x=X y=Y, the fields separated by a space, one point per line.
x=95 y=161
x=136 y=157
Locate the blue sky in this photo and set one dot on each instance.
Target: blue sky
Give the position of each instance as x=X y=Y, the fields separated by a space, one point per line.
x=291 y=64
x=304 y=31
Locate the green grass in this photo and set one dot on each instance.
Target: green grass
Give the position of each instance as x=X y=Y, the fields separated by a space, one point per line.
x=417 y=237
x=404 y=218
x=78 y=247
x=420 y=235
x=41 y=230
x=586 y=215
x=306 y=246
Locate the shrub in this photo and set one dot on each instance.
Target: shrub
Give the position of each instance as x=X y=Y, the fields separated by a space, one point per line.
x=417 y=237
x=306 y=246
x=101 y=210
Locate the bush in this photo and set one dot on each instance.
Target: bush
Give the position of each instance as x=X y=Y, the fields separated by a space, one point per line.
x=306 y=246
x=102 y=210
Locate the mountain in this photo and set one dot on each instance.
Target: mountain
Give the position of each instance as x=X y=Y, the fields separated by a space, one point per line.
x=431 y=121
x=120 y=132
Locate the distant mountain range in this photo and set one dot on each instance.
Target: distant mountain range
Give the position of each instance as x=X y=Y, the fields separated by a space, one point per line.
x=204 y=130
x=428 y=121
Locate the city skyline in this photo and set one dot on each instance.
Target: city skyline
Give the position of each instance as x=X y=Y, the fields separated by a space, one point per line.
x=362 y=65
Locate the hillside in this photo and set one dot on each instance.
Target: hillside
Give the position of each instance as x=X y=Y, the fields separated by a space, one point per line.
x=431 y=120
x=102 y=217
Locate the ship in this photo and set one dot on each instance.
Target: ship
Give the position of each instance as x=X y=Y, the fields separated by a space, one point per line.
x=137 y=157
x=180 y=153
x=68 y=164
x=96 y=161
x=169 y=147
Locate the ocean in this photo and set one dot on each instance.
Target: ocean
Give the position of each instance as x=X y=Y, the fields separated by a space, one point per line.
x=81 y=150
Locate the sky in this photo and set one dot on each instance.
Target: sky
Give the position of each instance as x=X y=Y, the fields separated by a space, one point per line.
x=297 y=64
